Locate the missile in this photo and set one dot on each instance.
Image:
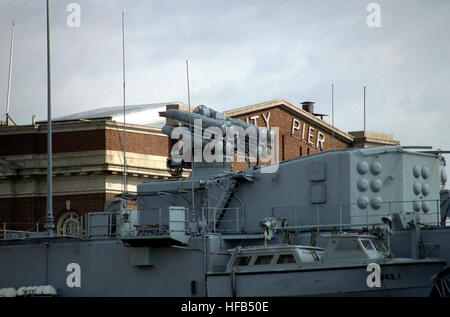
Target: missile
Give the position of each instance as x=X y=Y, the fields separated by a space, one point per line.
x=211 y=113
x=188 y=120
x=229 y=144
x=212 y=118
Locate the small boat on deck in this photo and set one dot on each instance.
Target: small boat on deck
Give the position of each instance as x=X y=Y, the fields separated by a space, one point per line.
x=350 y=265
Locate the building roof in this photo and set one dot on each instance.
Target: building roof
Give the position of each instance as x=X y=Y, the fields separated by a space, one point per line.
x=292 y=109
x=368 y=138
x=147 y=114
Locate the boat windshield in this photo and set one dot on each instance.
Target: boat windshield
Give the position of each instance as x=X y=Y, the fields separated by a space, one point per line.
x=367 y=245
x=286 y=259
x=242 y=260
x=348 y=245
x=379 y=245
x=263 y=259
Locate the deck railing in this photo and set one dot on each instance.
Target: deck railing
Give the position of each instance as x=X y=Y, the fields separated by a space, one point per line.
x=243 y=220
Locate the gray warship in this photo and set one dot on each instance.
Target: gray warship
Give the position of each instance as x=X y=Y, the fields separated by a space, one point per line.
x=353 y=222
x=309 y=226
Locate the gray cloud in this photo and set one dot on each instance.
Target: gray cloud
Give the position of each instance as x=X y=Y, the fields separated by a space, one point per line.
x=240 y=53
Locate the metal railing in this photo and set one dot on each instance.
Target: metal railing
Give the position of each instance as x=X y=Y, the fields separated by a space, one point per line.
x=305 y=217
x=246 y=220
x=10 y=230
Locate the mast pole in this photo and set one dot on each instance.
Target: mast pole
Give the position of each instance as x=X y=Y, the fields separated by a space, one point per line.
x=11 y=52
x=49 y=220
x=364 y=109
x=332 y=114
x=192 y=138
x=124 y=122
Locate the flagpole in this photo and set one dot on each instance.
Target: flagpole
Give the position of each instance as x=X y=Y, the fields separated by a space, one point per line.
x=332 y=114
x=49 y=220
x=192 y=138
x=11 y=52
x=124 y=122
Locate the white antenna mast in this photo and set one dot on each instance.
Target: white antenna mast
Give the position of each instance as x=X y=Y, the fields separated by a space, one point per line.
x=49 y=219
x=332 y=115
x=192 y=138
x=364 y=109
x=10 y=73
x=124 y=123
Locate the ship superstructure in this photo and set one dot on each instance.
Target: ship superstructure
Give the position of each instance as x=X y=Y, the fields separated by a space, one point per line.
x=179 y=238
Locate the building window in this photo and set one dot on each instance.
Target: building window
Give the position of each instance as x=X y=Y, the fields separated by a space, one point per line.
x=301 y=151
x=307 y=150
x=282 y=147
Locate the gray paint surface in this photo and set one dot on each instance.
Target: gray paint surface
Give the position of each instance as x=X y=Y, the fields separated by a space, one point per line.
x=112 y=266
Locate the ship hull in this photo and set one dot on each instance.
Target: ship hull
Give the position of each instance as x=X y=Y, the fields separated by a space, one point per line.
x=400 y=280
x=107 y=269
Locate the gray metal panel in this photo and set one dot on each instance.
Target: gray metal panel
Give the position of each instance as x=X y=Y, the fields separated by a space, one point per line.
x=318 y=193
x=99 y=224
x=317 y=171
x=141 y=256
x=105 y=269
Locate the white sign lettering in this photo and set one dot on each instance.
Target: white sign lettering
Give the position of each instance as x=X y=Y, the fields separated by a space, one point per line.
x=266 y=119
x=254 y=120
x=308 y=134
x=295 y=125
x=320 y=140
x=319 y=136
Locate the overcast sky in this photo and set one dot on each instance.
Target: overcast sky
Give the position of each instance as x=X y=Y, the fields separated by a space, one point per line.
x=240 y=53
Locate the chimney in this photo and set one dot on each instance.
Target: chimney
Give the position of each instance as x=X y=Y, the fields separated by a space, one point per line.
x=308 y=106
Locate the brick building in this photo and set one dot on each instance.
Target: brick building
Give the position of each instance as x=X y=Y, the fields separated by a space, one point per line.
x=88 y=155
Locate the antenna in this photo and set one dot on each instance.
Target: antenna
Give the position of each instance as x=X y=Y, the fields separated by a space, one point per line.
x=49 y=220
x=364 y=109
x=192 y=138
x=188 y=92
x=124 y=123
x=332 y=115
x=10 y=73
